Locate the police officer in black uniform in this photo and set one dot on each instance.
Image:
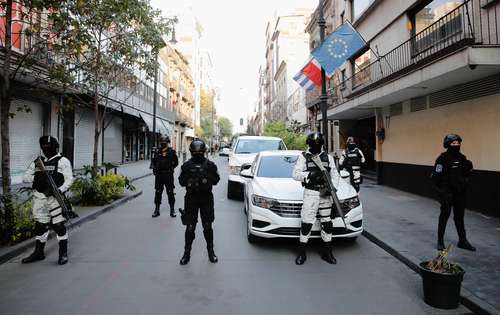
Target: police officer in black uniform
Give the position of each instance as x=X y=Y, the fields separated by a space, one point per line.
x=198 y=175
x=450 y=176
x=47 y=211
x=351 y=160
x=164 y=163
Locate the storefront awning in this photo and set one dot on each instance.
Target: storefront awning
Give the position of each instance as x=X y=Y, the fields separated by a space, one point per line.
x=167 y=127
x=131 y=111
x=148 y=120
x=160 y=127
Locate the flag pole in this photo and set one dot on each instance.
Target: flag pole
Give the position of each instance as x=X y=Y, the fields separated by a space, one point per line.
x=324 y=97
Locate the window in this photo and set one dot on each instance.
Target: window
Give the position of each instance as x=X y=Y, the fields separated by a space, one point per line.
x=361 y=69
x=358 y=7
x=431 y=12
x=277 y=166
x=342 y=17
x=342 y=78
x=247 y=146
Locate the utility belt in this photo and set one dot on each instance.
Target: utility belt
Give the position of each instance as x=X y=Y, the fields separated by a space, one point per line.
x=315 y=187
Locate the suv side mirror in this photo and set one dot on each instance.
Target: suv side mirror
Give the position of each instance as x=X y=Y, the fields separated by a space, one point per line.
x=246 y=166
x=344 y=174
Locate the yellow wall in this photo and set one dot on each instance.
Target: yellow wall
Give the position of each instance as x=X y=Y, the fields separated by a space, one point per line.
x=416 y=137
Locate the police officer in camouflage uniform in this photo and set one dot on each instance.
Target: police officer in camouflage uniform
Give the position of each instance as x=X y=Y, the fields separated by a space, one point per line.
x=450 y=176
x=317 y=203
x=198 y=175
x=164 y=163
x=46 y=209
x=351 y=160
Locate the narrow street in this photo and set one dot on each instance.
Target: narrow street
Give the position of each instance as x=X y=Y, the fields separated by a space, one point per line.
x=125 y=262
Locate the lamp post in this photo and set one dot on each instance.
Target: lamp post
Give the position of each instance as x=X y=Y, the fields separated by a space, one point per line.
x=324 y=97
x=172 y=41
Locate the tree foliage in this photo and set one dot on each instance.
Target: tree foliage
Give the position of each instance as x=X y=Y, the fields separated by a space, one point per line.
x=226 y=127
x=293 y=140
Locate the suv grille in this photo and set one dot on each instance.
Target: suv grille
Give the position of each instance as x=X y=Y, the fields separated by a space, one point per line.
x=292 y=210
x=287 y=209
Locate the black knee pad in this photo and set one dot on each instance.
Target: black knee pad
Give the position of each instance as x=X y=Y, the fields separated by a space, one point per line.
x=59 y=228
x=207 y=226
x=327 y=227
x=305 y=228
x=191 y=228
x=41 y=228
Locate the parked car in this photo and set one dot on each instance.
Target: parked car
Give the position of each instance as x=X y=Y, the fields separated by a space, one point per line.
x=273 y=200
x=244 y=150
x=224 y=152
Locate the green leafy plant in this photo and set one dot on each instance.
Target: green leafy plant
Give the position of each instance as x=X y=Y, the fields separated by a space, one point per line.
x=22 y=223
x=294 y=140
x=440 y=263
x=99 y=190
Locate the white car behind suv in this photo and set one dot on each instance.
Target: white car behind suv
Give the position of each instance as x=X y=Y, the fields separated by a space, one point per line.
x=273 y=200
x=244 y=150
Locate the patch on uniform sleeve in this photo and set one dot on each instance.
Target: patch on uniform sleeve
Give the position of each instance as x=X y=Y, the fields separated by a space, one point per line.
x=439 y=168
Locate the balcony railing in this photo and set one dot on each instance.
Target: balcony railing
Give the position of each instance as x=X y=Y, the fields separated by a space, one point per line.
x=471 y=23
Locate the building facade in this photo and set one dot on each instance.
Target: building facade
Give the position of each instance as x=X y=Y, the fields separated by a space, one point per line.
x=430 y=68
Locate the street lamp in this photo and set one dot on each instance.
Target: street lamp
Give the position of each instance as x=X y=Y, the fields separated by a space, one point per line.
x=172 y=41
x=324 y=97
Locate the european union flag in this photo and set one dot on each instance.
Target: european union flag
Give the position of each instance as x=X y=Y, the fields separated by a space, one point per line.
x=338 y=47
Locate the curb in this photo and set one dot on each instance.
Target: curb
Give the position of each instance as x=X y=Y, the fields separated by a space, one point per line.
x=141 y=177
x=467 y=299
x=23 y=246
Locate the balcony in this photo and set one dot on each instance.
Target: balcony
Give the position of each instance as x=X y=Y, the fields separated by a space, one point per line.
x=440 y=50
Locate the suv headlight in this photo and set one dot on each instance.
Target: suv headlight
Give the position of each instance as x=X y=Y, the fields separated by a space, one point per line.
x=263 y=202
x=350 y=203
x=234 y=169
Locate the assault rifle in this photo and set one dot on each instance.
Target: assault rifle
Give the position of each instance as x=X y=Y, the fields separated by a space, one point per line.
x=330 y=187
x=61 y=199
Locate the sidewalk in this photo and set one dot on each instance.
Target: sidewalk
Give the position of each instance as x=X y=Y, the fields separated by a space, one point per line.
x=134 y=171
x=407 y=224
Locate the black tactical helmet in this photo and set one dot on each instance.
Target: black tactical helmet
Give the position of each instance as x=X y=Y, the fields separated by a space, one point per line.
x=197 y=147
x=48 y=140
x=315 y=138
x=450 y=138
x=164 y=139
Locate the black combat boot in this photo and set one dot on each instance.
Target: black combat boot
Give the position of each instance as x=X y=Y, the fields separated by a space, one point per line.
x=188 y=239
x=63 y=252
x=440 y=245
x=172 y=211
x=327 y=255
x=211 y=255
x=464 y=244
x=156 y=213
x=37 y=253
x=301 y=257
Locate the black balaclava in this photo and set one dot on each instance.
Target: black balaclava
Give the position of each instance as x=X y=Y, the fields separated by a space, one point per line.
x=49 y=146
x=454 y=149
x=315 y=148
x=351 y=146
x=198 y=157
x=163 y=145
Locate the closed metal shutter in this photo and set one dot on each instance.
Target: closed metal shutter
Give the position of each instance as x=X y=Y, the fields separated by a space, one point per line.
x=113 y=141
x=25 y=130
x=84 y=138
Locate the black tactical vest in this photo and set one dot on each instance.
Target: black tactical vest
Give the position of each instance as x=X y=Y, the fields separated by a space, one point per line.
x=198 y=180
x=311 y=166
x=40 y=182
x=455 y=171
x=164 y=163
x=352 y=158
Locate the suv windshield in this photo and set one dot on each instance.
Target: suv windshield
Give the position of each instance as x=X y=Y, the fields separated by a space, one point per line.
x=247 y=146
x=277 y=166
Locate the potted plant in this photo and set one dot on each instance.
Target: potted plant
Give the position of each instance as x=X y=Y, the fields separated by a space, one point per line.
x=442 y=281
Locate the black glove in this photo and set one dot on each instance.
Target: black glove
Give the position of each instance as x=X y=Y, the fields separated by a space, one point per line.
x=315 y=177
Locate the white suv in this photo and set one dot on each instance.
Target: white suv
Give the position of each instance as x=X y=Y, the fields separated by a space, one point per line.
x=244 y=150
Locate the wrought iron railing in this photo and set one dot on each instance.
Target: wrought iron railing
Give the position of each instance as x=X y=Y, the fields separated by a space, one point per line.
x=474 y=22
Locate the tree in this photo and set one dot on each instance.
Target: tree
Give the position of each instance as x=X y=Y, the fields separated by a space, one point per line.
x=225 y=127
x=108 y=44
x=207 y=114
x=36 y=24
x=293 y=140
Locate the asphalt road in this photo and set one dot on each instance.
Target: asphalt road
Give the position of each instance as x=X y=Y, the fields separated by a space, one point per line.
x=125 y=262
